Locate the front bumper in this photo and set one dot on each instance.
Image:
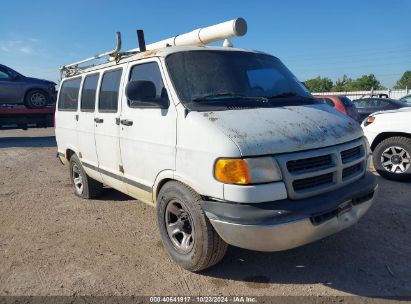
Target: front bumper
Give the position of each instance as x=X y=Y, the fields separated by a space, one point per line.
x=286 y=224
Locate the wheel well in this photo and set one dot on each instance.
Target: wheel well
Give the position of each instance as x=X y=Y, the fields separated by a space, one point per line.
x=160 y=185
x=385 y=135
x=165 y=181
x=69 y=154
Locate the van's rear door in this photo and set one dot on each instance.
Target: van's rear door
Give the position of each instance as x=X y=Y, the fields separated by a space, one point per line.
x=67 y=114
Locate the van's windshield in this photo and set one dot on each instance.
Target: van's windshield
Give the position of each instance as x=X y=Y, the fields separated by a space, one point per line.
x=217 y=80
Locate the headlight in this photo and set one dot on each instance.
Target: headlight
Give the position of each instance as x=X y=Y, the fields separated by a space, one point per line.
x=247 y=171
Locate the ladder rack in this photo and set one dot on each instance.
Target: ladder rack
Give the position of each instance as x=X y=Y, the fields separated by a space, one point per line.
x=73 y=68
x=202 y=36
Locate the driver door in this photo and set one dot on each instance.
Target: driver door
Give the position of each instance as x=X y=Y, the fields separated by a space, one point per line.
x=147 y=135
x=10 y=88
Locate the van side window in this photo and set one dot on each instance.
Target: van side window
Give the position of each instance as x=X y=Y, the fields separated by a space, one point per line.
x=68 y=99
x=148 y=72
x=88 y=95
x=108 y=99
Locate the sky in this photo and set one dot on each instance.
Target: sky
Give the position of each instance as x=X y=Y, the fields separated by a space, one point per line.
x=313 y=38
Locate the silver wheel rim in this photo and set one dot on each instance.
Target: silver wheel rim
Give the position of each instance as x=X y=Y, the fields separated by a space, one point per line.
x=179 y=226
x=77 y=179
x=38 y=99
x=396 y=160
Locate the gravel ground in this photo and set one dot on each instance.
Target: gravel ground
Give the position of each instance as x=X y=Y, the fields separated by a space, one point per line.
x=53 y=243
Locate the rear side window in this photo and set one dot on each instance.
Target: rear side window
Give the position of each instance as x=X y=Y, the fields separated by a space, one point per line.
x=108 y=99
x=346 y=101
x=88 y=95
x=149 y=72
x=4 y=75
x=327 y=101
x=406 y=99
x=68 y=99
x=382 y=103
x=360 y=103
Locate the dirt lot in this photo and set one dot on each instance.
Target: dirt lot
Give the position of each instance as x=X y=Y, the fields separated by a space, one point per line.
x=53 y=243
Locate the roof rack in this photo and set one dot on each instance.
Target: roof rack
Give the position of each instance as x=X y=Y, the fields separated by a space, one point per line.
x=198 y=37
x=73 y=68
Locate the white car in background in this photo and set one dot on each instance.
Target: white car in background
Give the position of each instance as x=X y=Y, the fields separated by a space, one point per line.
x=389 y=135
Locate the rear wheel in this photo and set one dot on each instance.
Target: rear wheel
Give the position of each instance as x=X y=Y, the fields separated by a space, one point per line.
x=186 y=232
x=392 y=158
x=84 y=186
x=36 y=99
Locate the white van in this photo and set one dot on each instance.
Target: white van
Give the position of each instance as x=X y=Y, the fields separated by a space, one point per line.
x=226 y=143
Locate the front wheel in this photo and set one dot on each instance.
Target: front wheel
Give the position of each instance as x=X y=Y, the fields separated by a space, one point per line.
x=186 y=232
x=36 y=99
x=392 y=158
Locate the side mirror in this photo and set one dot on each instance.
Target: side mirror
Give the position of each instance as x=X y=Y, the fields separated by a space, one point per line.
x=142 y=94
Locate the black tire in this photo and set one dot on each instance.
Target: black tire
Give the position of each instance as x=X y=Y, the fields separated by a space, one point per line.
x=36 y=99
x=380 y=159
x=207 y=248
x=90 y=187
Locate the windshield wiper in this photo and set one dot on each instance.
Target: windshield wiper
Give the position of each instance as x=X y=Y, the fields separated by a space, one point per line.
x=227 y=95
x=288 y=94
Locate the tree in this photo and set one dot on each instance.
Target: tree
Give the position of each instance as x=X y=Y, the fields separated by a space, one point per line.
x=319 y=84
x=367 y=83
x=363 y=83
x=404 y=81
x=343 y=84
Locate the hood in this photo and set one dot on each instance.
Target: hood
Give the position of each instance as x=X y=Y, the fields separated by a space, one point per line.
x=285 y=129
x=37 y=80
x=407 y=108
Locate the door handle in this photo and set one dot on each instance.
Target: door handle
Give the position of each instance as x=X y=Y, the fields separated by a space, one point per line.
x=98 y=120
x=76 y=117
x=126 y=122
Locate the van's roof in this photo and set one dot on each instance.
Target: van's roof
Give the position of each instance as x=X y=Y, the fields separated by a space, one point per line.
x=163 y=52
x=174 y=49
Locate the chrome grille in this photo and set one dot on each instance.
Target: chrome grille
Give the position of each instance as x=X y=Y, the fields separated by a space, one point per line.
x=312 y=172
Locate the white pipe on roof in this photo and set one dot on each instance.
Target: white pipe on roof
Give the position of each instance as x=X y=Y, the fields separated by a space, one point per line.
x=202 y=36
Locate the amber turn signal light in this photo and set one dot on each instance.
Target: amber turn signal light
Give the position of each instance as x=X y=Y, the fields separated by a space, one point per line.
x=232 y=171
x=369 y=120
